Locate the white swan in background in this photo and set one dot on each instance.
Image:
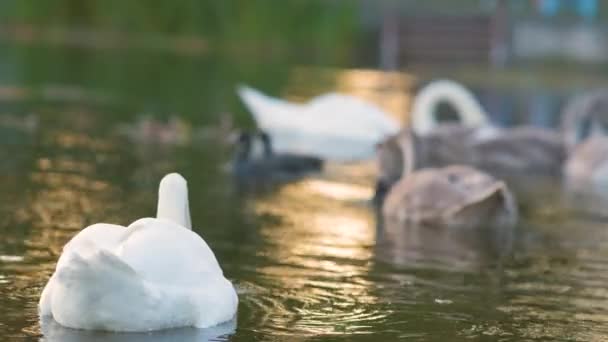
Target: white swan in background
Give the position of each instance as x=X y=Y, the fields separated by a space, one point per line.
x=330 y=126
x=154 y=274
x=425 y=104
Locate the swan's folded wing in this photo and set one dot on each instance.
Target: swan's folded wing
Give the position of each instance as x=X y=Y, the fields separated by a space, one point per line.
x=330 y=126
x=100 y=265
x=100 y=235
x=86 y=242
x=355 y=116
x=164 y=252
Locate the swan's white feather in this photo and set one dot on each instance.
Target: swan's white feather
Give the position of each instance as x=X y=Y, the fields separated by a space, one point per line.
x=331 y=126
x=164 y=262
x=154 y=274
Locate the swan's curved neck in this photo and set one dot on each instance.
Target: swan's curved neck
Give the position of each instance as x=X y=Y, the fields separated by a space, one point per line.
x=406 y=143
x=423 y=110
x=173 y=200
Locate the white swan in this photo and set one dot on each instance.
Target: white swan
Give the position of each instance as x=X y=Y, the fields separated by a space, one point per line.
x=330 y=126
x=154 y=274
x=425 y=103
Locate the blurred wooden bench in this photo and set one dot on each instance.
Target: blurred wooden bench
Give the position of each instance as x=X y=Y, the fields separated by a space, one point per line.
x=445 y=39
x=435 y=38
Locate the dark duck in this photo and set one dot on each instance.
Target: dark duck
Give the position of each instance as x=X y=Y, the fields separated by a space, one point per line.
x=250 y=167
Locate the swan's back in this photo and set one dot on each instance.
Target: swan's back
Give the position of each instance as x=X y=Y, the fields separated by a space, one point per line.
x=165 y=253
x=521 y=151
x=454 y=196
x=352 y=115
x=330 y=126
x=438 y=189
x=90 y=239
x=321 y=114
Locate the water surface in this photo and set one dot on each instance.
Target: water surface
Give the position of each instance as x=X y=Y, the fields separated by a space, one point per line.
x=307 y=258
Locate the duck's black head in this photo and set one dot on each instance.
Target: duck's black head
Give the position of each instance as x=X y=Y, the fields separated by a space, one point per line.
x=265 y=137
x=243 y=146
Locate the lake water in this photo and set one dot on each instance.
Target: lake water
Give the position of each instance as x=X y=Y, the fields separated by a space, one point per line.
x=307 y=258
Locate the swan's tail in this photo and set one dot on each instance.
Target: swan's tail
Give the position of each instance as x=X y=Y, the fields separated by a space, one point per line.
x=269 y=113
x=254 y=100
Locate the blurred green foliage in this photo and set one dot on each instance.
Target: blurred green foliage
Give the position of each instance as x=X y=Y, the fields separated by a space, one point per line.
x=317 y=24
x=257 y=42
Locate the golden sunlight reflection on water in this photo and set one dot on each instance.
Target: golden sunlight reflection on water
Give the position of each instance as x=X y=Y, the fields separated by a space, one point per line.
x=339 y=191
x=320 y=255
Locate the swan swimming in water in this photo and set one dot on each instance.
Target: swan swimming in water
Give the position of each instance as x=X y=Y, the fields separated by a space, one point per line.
x=331 y=126
x=520 y=154
x=154 y=274
x=341 y=127
x=456 y=196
